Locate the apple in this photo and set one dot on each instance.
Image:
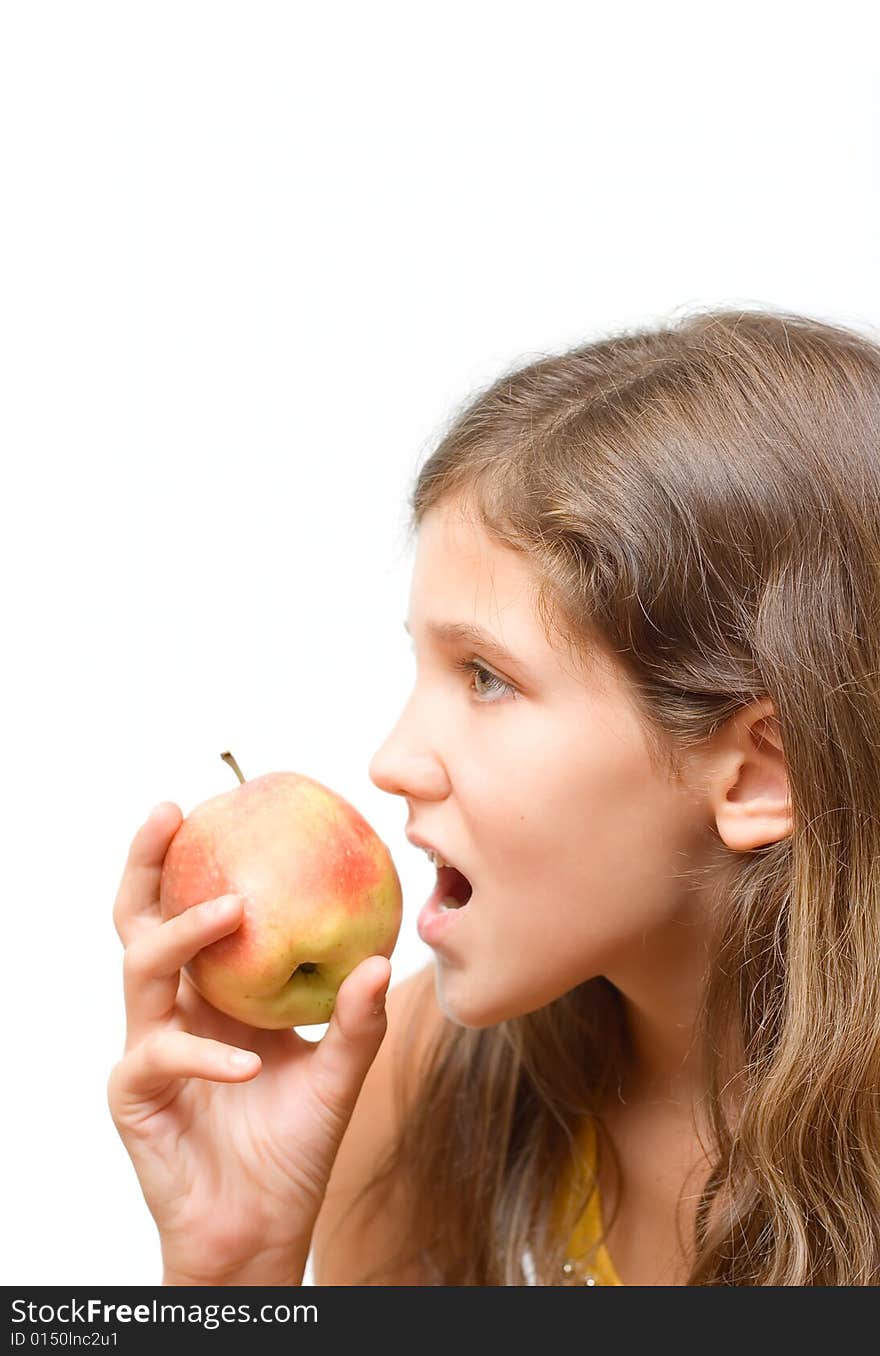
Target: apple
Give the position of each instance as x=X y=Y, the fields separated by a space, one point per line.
x=320 y=892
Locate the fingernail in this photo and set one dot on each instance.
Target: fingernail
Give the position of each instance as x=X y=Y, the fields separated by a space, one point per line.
x=242 y=1057
x=222 y=905
x=379 y=999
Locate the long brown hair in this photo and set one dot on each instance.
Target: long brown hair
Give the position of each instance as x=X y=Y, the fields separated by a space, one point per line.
x=707 y=495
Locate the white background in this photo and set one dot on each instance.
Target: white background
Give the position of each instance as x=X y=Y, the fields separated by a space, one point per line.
x=254 y=257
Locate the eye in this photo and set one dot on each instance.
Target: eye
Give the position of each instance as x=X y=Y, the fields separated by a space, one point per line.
x=495 y=684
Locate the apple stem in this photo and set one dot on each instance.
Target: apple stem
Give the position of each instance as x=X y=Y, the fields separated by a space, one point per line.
x=228 y=758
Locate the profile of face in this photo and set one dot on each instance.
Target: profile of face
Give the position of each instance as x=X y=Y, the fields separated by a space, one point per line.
x=532 y=775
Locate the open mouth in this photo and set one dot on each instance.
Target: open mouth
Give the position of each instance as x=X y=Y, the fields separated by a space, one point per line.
x=453 y=888
x=451 y=893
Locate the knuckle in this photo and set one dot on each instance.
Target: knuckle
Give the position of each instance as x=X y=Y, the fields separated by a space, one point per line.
x=112 y=1088
x=118 y=914
x=135 y=962
x=115 y=1089
x=153 y=1051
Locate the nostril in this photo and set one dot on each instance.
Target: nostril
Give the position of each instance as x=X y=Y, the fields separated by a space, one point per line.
x=307 y=968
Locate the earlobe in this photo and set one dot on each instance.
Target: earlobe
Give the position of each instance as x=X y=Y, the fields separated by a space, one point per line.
x=750 y=791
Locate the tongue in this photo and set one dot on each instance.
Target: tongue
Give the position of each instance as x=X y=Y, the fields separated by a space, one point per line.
x=453 y=885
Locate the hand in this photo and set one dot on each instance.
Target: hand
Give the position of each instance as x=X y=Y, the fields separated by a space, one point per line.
x=233 y=1150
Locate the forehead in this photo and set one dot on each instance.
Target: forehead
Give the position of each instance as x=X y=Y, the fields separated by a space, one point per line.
x=461 y=575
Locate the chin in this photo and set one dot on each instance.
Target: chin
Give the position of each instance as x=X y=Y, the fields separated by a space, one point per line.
x=463 y=1003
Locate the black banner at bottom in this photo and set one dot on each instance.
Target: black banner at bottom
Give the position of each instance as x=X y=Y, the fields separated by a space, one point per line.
x=122 y=1319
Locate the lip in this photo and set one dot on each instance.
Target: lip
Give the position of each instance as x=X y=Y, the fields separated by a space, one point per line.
x=434 y=924
x=432 y=847
x=423 y=843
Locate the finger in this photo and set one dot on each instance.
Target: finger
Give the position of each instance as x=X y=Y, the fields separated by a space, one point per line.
x=351 y=1042
x=153 y=961
x=147 y=1071
x=137 y=900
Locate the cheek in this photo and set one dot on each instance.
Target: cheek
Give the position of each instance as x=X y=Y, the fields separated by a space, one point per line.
x=623 y=875
x=601 y=809
x=560 y=780
x=584 y=884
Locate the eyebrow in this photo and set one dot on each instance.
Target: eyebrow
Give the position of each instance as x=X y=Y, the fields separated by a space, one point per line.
x=464 y=633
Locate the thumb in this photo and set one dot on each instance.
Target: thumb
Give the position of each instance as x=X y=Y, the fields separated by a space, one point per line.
x=351 y=1042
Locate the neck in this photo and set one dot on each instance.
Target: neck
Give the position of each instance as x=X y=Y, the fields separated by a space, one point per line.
x=661 y=995
x=664 y=1062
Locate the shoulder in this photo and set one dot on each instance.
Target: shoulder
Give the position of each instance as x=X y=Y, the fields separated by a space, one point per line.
x=351 y=1235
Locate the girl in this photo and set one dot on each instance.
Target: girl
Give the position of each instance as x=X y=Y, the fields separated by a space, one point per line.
x=646 y=613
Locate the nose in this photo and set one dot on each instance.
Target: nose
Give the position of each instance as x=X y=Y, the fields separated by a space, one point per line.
x=408 y=763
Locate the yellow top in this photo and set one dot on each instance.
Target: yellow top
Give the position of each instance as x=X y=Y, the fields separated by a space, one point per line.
x=581 y=1267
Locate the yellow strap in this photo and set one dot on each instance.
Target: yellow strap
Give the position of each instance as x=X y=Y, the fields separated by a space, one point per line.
x=589 y=1226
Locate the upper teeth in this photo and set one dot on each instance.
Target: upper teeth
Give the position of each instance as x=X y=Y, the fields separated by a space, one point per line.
x=435 y=857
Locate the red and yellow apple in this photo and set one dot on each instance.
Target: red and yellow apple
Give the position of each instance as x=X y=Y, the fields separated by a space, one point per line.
x=320 y=892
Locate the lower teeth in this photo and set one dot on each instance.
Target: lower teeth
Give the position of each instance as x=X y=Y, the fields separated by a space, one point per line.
x=448 y=903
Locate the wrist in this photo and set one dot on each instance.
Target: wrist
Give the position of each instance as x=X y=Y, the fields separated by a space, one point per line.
x=275 y=1267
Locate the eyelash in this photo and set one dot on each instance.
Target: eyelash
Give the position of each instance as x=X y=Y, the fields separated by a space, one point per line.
x=474 y=666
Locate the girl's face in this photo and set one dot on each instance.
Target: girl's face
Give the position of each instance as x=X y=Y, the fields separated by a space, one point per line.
x=537 y=783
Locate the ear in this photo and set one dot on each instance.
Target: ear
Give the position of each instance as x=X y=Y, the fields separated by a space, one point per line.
x=748 y=781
